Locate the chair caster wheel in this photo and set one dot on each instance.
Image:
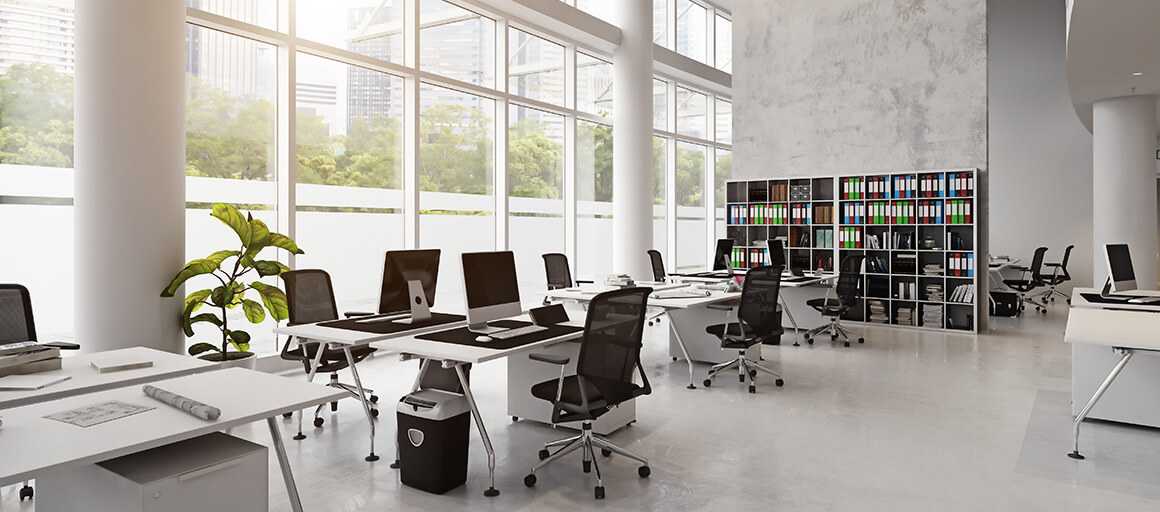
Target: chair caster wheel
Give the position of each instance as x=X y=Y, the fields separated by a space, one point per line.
x=374 y=413
x=26 y=493
x=587 y=466
x=287 y=415
x=599 y=492
x=779 y=383
x=530 y=480
x=374 y=399
x=299 y=436
x=707 y=383
x=644 y=471
x=544 y=454
x=846 y=344
x=318 y=422
x=515 y=419
x=861 y=340
x=752 y=389
x=753 y=374
x=834 y=337
x=606 y=452
x=674 y=359
x=810 y=340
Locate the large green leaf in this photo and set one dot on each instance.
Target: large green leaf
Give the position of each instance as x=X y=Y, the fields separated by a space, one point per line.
x=222 y=296
x=267 y=268
x=233 y=218
x=274 y=300
x=221 y=256
x=283 y=242
x=258 y=232
x=240 y=340
x=199 y=348
x=187 y=325
x=254 y=312
x=200 y=266
x=195 y=301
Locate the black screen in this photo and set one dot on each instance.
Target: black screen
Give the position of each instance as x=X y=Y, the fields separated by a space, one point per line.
x=490 y=278
x=723 y=255
x=776 y=253
x=402 y=266
x=1120 y=263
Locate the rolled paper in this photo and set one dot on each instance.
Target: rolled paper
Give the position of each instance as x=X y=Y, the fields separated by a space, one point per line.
x=188 y=405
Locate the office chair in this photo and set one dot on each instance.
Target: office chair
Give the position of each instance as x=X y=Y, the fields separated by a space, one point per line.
x=310 y=297
x=1030 y=279
x=849 y=292
x=658 y=265
x=1059 y=275
x=16 y=325
x=757 y=320
x=609 y=355
x=559 y=273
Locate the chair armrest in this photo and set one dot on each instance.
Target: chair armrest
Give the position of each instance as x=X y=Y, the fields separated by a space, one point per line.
x=549 y=358
x=62 y=345
x=1053 y=264
x=352 y=314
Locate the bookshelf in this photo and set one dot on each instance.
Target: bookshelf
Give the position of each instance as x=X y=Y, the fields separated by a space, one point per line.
x=917 y=230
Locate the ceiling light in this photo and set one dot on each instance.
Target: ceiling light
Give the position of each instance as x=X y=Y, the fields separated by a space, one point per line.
x=1138 y=73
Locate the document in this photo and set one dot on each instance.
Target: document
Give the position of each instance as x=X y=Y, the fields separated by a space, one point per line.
x=30 y=382
x=97 y=414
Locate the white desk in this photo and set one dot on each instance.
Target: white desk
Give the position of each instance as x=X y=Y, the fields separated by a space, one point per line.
x=1125 y=328
x=688 y=317
x=33 y=444
x=456 y=356
x=346 y=339
x=85 y=379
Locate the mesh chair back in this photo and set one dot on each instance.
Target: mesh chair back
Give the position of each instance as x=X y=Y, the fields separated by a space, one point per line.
x=658 y=265
x=556 y=267
x=850 y=280
x=310 y=296
x=16 y=314
x=1037 y=264
x=758 y=307
x=1063 y=263
x=610 y=351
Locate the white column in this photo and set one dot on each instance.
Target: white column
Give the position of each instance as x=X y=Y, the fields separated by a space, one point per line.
x=1124 y=184
x=632 y=188
x=130 y=184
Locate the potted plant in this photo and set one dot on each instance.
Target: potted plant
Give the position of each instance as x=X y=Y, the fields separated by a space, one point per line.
x=229 y=267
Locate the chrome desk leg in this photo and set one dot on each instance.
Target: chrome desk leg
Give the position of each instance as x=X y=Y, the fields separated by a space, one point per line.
x=491 y=491
x=685 y=351
x=1095 y=398
x=785 y=307
x=309 y=378
x=362 y=397
x=284 y=463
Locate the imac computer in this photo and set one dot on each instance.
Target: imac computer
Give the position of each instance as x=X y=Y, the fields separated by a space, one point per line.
x=723 y=256
x=1121 y=275
x=489 y=282
x=408 y=291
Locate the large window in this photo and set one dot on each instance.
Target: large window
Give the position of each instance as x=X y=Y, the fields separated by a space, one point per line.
x=371 y=28
x=692 y=108
x=456 y=181
x=593 y=85
x=660 y=105
x=593 y=199
x=724 y=125
x=692 y=242
x=349 y=159
x=692 y=30
x=263 y=13
x=660 y=193
x=724 y=44
x=723 y=170
x=457 y=43
x=535 y=178
x=535 y=67
x=661 y=22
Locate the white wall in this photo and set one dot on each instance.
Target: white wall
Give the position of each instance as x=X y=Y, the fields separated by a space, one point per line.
x=1040 y=152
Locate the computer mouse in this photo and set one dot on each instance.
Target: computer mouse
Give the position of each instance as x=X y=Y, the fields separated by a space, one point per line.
x=482 y=339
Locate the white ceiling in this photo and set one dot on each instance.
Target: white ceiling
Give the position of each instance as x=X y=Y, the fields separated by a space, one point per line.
x=1108 y=41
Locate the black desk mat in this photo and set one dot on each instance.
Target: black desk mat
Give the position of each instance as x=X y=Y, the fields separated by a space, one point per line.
x=391 y=326
x=462 y=336
x=1096 y=298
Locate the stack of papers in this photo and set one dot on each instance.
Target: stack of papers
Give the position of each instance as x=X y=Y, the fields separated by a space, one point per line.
x=878 y=311
x=932 y=269
x=932 y=315
x=29 y=359
x=904 y=315
x=934 y=292
x=30 y=382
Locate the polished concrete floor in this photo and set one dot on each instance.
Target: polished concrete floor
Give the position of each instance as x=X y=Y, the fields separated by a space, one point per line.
x=910 y=421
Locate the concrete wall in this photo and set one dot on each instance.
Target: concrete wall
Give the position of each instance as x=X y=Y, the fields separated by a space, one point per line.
x=847 y=86
x=1040 y=152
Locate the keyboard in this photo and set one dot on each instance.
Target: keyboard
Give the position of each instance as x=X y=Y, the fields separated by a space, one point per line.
x=517 y=332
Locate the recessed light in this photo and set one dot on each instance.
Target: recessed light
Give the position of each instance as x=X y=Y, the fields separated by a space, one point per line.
x=1138 y=74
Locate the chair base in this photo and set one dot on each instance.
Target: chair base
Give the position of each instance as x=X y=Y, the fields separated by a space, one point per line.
x=836 y=331
x=587 y=441
x=746 y=370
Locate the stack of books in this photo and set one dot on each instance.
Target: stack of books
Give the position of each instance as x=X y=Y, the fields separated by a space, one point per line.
x=932 y=315
x=878 y=312
x=904 y=315
x=964 y=294
x=932 y=269
x=28 y=357
x=934 y=292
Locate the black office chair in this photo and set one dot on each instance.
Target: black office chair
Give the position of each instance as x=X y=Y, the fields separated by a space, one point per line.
x=609 y=355
x=658 y=265
x=310 y=298
x=757 y=320
x=559 y=273
x=1030 y=279
x=1058 y=276
x=849 y=293
x=16 y=325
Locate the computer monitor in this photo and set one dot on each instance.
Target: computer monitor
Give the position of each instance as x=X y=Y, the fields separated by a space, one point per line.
x=1120 y=272
x=723 y=256
x=489 y=283
x=402 y=267
x=776 y=253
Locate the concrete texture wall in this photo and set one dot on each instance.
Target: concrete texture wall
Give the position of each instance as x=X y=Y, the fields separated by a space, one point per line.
x=1040 y=152
x=847 y=86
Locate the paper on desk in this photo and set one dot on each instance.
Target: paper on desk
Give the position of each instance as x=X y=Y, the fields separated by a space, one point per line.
x=90 y=415
x=30 y=382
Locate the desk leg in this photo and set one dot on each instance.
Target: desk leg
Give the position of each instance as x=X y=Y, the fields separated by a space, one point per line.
x=491 y=491
x=309 y=378
x=284 y=463
x=685 y=351
x=362 y=397
x=785 y=308
x=1095 y=398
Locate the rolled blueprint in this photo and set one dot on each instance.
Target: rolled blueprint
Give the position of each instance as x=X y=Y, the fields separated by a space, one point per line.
x=193 y=407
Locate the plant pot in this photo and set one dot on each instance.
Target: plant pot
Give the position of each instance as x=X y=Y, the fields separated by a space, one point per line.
x=247 y=360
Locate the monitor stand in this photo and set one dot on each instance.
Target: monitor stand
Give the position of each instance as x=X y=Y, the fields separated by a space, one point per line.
x=418 y=299
x=484 y=328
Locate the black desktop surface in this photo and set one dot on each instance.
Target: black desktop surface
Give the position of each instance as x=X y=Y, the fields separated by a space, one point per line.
x=392 y=326
x=463 y=336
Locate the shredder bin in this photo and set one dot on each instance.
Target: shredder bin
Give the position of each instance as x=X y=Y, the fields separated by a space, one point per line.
x=433 y=429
